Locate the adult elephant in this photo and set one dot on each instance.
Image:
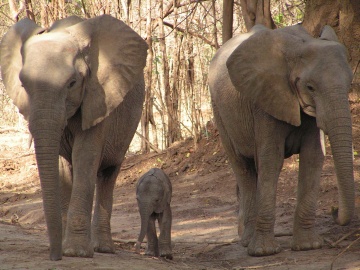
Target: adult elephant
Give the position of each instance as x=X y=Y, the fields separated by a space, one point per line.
x=274 y=93
x=80 y=85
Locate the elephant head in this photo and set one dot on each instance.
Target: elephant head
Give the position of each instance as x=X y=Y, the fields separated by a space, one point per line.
x=286 y=70
x=83 y=67
x=153 y=194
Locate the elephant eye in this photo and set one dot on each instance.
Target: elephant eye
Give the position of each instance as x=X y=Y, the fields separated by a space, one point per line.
x=72 y=83
x=310 y=87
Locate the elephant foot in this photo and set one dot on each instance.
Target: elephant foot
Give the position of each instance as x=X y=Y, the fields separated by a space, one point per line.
x=247 y=235
x=263 y=244
x=166 y=253
x=104 y=246
x=306 y=240
x=77 y=250
x=103 y=243
x=151 y=253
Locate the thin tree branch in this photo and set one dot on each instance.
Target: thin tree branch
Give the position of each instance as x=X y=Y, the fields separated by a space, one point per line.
x=190 y=33
x=157 y=150
x=170 y=7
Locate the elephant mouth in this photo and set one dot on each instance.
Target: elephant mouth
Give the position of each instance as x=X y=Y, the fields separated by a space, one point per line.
x=308 y=109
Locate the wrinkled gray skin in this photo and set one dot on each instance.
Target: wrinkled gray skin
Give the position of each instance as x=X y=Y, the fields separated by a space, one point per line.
x=272 y=91
x=153 y=194
x=80 y=85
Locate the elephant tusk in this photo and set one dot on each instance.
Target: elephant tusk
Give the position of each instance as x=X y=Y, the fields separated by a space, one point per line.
x=30 y=141
x=322 y=142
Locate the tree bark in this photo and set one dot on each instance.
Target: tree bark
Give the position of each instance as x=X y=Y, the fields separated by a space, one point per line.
x=165 y=72
x=15 y=12
x=257 y=12
x=171 y=96
x=344 y=17
x=145 y=119
x=228 y=8
x=174 y=102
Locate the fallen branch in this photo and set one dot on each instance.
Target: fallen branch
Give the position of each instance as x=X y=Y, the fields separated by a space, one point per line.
x=334 y=244
x=124 y=241
x=133 y=241
x=11 y=129
x=20 y=156
x=258 y=266
x=342 y=252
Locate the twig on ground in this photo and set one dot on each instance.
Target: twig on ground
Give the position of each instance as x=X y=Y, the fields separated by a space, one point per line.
x=258 y=266
x=342 y=252
x=11 y=129
x=131 y=241
x=125 y=241
x=20 y=156
x=334 y=244
x=356 y=126
x=329 y=242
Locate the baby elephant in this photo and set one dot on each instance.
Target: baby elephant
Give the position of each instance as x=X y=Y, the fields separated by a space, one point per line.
x=153 y=194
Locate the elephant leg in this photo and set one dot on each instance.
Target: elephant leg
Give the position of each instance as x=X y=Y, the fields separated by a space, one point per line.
x=65 y=178
x=246 y=191
x=152 y=247
x=246 y=177
x=86 y=156
x=311 y=161
x=270 y=148
x=165 y=220
x=101 y=230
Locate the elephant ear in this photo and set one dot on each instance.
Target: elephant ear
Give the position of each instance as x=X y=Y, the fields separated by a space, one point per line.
x=116 y=56
x=64 y=23
x=328 y=33
x=258 y=69
x=11 y=62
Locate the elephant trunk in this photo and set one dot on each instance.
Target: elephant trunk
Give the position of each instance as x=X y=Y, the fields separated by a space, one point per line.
x=339 y=130
x=46 y=127
x=145 y=213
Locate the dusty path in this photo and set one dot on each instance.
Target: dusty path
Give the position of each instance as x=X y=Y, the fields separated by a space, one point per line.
x=204 y=215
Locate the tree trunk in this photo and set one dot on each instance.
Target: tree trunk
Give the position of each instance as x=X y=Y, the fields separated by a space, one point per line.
x=215 y=30
x=344 y=17
x=145 y=120
x=228 y=7
x=174 y=101
x=126 y=7
x=257 y=12
x=15 y=12
x=29 y=10
x=165 y=78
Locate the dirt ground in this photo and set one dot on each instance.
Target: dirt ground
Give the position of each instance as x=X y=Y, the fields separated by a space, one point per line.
x=204 y=232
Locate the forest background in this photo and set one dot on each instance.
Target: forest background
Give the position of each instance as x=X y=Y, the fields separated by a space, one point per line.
x=183 y=36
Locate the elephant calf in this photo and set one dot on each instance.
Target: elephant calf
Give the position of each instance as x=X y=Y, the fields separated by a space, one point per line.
x=153 y=194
